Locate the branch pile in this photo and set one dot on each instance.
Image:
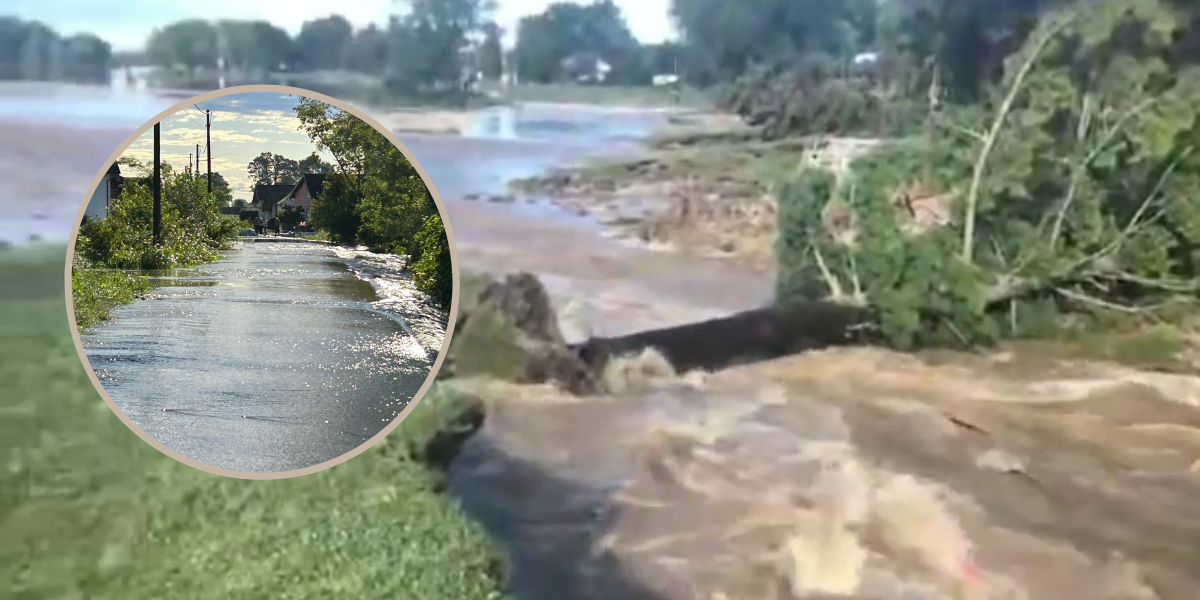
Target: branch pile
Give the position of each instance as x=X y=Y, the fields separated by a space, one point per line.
x=1075 y=187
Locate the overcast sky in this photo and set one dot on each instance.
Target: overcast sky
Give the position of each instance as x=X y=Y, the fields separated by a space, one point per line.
x=127 y=23
x=244 y=126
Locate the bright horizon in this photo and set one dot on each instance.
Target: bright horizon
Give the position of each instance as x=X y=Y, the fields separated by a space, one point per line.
x=243 y=126
x=128 y=25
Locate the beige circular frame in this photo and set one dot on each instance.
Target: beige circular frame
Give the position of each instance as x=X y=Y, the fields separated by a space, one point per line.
x=437 y=365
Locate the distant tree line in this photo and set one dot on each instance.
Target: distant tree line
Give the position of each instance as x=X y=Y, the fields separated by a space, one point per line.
x=30 y=50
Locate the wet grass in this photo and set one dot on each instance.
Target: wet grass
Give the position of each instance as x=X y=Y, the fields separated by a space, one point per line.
x=88 y=510
x=95 y=292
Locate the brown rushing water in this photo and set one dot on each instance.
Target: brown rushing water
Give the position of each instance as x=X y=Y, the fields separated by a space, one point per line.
x=849 y=474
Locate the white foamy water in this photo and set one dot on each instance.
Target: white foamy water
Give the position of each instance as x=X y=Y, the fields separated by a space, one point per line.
x=399 y=296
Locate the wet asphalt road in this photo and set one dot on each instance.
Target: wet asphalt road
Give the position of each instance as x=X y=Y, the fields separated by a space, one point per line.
x=271 y=360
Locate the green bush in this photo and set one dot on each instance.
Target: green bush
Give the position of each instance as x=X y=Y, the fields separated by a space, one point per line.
x=433 y=272
x=193 y=230
x=1049 y=205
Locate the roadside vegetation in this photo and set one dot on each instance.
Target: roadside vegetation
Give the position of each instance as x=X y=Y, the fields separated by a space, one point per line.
x=375 y=197
x=110 y=252
x=87 y=509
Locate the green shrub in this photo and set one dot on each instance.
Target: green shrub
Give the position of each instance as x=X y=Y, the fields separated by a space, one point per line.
x=1037 y=223
x=433 y=272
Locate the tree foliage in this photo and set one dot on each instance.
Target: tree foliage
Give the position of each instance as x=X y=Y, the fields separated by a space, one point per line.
x=374 y=196
x=33 y=51
x=1069 y=187
x=273 y=169
x=564 y=29
x=324 y=44
x=193 y=230
x=433 y=272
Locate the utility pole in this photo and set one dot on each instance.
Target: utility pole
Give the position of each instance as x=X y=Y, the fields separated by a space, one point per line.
x=188 y=168
x=208 y=145
x=157 y=186
x=197 y=159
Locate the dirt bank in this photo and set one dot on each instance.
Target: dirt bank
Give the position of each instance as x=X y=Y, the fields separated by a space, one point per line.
x=706 y=184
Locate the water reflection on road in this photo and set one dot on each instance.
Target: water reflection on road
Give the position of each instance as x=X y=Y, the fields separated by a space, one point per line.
x=276 y=358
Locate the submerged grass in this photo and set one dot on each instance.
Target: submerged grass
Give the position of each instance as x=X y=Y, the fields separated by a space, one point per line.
x=88 y=510
x=95 y=292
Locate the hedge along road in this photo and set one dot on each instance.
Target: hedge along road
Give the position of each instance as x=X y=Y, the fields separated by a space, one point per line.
x=275 y=358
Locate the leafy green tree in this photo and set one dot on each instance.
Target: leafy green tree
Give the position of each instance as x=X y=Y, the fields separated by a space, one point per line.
x=368 y=51
x=336 y=210
x=564 y=29
x=374 y=196
x=289 y=217
x=273 y=169
x=41 y=54
x=313 y=163
x=433 y=272
x=191 y=43
x=427 y=44
x=256 y=45
x=324 y=44
x=221 y=189
x=491 y=52
x=1069 y=188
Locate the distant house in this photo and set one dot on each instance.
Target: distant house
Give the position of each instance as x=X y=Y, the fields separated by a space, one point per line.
x=266 y=197
x=106 y=192
x=585 y=67
x=302 y=194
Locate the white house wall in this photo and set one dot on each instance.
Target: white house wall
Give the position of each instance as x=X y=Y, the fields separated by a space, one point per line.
x=97 y=206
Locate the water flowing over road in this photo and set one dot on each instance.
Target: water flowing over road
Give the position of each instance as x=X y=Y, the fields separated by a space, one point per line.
x=275 y=358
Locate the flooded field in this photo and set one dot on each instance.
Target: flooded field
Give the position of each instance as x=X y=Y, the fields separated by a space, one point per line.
x=850 y=474
x=275 y=358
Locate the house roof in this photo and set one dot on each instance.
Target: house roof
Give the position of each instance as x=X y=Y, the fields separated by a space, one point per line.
x=315 y=181
x=268 y=195
x=113 y=170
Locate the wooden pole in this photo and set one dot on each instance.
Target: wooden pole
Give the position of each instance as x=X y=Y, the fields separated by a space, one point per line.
x=157 y=184
x=208 y=145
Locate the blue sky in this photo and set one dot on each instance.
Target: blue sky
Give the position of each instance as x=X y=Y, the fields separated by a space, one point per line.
x=243 y=126
x=126 y=23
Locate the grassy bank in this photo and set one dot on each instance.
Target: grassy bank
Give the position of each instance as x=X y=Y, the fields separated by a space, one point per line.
x=89 y=510
x=95 y=292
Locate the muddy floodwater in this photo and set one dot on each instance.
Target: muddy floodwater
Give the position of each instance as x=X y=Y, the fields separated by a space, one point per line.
x=853 y=474
x=275 y=358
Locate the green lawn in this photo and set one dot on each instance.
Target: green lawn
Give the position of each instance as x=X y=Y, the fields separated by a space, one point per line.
x=88 y=510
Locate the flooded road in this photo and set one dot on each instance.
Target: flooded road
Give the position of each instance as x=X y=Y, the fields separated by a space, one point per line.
x=275 y=358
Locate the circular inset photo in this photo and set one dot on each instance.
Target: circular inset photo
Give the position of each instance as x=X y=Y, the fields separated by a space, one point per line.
x=262 y=282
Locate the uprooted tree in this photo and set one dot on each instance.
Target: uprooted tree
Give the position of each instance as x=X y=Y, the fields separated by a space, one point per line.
x=1071 y=186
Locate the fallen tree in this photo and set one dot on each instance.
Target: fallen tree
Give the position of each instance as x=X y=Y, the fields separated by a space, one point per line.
x=1071 y=188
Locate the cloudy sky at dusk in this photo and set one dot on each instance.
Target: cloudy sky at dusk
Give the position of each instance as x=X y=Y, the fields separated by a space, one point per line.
x=127 y=23
x=243 y=126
